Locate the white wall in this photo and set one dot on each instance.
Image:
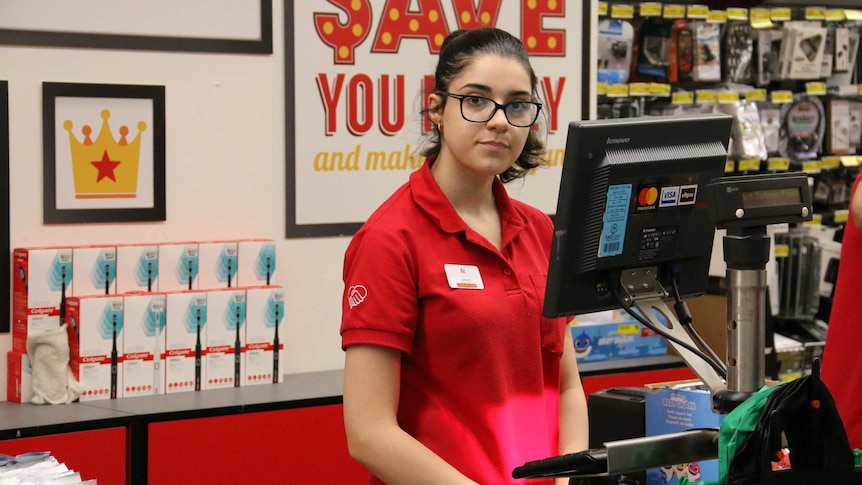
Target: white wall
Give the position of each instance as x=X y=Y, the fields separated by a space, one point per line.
x=225 y=171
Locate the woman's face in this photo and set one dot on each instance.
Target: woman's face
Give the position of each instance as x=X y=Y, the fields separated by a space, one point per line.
x=488 y=148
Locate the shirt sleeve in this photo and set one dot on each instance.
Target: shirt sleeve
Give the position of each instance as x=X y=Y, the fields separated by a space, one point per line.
x=380 y=301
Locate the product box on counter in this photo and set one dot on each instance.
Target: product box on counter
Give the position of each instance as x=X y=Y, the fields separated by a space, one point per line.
x=137 y=268
x=185 y=341
x=218 y=264
x=225 y=341
x=94 y=270
x=95 y=332
x=264 y=315
x=672 y=407
x=19 y=377
x=597 y=341
x=178 y=266
x=257 y=262
x=143 y=344
x=42 y=280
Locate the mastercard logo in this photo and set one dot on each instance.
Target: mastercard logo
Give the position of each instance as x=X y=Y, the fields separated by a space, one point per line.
x=647 y=196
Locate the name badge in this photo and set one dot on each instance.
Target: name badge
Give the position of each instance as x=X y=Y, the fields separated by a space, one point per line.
x=463 y=277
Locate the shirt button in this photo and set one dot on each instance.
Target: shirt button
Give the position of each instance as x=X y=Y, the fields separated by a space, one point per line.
x=507 y=271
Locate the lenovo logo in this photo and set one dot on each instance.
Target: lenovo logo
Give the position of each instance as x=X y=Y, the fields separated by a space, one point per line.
x=616 y=141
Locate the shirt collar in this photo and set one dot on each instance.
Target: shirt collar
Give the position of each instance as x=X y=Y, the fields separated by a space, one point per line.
x=428 y=196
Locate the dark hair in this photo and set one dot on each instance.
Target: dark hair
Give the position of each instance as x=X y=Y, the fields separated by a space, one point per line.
x=457 y=51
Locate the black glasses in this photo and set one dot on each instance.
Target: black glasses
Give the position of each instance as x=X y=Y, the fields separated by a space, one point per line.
x=479 y=109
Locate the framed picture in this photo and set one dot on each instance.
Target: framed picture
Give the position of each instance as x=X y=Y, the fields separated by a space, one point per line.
x=358 y=77
x=5 y=263
x=230 y=26
x=104 y=153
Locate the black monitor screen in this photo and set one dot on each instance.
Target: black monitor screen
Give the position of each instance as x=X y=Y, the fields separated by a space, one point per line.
x=631 y=196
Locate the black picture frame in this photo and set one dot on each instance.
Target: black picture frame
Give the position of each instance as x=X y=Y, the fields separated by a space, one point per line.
x=6 y=264
x=51 y=92
x=43 y=38
x=295 y=230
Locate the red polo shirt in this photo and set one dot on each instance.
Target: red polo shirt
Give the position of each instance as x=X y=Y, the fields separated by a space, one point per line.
x=480 y=370
x=842 y=360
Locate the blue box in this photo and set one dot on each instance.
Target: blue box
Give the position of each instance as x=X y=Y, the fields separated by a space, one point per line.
x=602 y=341
x=672 y=407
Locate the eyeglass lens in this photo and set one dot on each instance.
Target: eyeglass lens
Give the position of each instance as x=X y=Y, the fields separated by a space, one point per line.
x=478 y=109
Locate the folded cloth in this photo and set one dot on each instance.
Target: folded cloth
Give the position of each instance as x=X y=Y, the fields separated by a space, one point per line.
x=53 y=380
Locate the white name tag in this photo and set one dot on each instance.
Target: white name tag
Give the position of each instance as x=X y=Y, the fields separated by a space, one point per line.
x=463 y=277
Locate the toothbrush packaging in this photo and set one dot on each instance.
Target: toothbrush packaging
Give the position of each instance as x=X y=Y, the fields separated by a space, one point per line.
x=143 y=344
x=225 y=338
x=257 y=262
x=185 y=341
x=178 y=266
x=19 y=377
x=41 y=282
x=265 y=313
x=218 y=264
x=137 y=268
x=95 y=345
x=94 y=270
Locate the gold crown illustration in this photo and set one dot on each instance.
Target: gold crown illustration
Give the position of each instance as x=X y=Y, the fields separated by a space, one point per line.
x=105 y=167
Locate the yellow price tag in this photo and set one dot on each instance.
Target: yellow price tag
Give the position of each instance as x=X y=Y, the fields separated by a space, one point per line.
x=717 y=17
x=830 y=162
x=782 y=250
x=780 y=14
x=756 y=95
x=841 y=216
x=729 y=166
x=659 y=89
x=749 y=165
x=851 y=161
x=629 y=329
x=816 y=220
x=834 y=14
x=853 y=14
x=812 y=166
x=682 y=97
x=726 y=97
x=674 y=11
x=761 y=18
x=737 y=13
x=650 y=9
x=620 y=11
x=639 y=89
x=603 y=9
x=602 y=89
x=707 y=96
x=859 y=88
x=778 y=164
x=815 y=13
x=815 y=89
x=618 y=90
x=782 y=97
x=698 y=11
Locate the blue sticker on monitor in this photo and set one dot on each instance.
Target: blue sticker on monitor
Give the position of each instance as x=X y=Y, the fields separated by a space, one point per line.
x=614 y=221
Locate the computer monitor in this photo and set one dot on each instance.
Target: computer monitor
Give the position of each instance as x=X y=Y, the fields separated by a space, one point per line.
x=632 y=196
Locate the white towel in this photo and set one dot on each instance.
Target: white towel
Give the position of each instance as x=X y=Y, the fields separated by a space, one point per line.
x=53 y=380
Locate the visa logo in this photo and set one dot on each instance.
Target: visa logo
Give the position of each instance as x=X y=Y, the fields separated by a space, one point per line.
x=669 y=196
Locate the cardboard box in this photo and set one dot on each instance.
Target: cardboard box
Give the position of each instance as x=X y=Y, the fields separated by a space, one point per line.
x=143 y=344
x=257 y=262
x=19 y=377
x=137 y=268
x=218 y=265
x=42 y=280
x=225 y=338
x=95 y=345
x=671 y=407
x=601 y=341
x=178 y=266
x=94 y=270
x=185 y=341
x=264 y=315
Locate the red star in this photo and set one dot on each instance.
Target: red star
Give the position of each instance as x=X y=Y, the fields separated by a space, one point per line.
x=106 y=167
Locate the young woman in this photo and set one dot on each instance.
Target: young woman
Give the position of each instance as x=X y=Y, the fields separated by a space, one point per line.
x=452 y=375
